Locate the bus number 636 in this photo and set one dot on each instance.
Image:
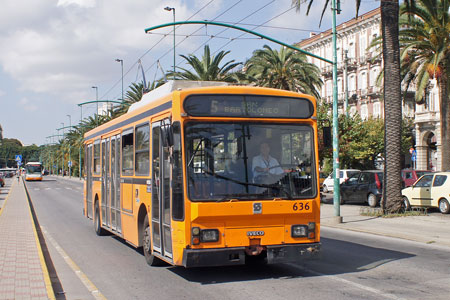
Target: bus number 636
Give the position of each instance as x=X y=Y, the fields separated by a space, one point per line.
x=300 y=206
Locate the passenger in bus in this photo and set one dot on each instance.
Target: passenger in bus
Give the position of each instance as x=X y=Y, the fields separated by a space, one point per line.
x=264 y=166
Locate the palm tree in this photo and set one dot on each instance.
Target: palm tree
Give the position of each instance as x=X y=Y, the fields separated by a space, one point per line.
x=208 y=68
x=392 y=201
x=285 y=69
x=424 y=39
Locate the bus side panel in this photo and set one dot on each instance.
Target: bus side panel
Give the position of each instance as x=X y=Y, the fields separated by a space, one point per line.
x=128 y=219
x=179 y=241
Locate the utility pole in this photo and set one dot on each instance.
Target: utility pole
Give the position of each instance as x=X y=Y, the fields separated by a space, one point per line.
x=336 y=191
x=70 y=161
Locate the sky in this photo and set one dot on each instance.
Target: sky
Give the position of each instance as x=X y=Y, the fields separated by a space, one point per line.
x=52 y=52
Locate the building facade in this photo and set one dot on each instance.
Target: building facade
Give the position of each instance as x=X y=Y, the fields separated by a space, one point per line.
x=358 y=70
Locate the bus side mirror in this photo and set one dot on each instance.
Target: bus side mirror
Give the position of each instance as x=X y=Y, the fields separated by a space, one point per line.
x=167 y=135
x=327 y=137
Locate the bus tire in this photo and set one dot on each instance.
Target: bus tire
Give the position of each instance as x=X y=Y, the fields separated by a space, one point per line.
x=147 y=245
x=97 y=224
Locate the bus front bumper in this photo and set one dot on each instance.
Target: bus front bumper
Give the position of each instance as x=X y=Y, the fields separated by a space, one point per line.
x=236 y=256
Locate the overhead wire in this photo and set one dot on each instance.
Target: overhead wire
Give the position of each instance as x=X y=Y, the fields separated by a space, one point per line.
x=146 y=52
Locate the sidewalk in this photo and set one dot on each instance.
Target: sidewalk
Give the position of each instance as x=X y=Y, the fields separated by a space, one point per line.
x=430 y=229
x=23 y=273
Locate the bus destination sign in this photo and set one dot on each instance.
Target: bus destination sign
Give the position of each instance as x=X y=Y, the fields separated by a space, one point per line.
x=248 y=106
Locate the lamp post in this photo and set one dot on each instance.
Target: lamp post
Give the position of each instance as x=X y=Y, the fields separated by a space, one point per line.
x=121 y=64
x=79 y=149
x=96 y=99
x=172 y=9
x=62 y=154
x=70 y=162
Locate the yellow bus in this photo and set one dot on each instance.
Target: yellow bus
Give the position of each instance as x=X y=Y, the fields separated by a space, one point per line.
x=206 y=174
x=33 y=171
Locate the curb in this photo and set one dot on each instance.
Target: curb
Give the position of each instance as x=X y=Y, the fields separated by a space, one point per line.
x=48 y=283
x=411 y=239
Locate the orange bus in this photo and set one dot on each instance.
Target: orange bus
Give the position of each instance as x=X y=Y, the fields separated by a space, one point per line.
x=206 y=174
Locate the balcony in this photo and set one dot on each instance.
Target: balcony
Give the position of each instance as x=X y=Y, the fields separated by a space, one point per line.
x=426 y=117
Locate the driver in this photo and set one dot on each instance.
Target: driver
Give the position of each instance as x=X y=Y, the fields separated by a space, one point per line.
x=264 y=165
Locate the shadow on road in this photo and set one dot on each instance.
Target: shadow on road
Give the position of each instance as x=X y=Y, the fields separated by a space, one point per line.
x=338 y=257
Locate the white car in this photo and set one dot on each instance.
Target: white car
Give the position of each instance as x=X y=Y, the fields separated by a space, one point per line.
x=431 y=190
x=328 y=184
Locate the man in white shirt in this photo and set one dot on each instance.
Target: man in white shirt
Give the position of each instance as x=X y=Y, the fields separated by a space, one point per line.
x=264 y=164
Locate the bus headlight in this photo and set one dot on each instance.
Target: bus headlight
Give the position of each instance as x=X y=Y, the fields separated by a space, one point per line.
x=299 y=230
x=209 y=235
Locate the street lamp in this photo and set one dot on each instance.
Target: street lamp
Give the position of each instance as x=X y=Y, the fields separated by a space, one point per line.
x=70 y=162
x=172 y=9
x=121 y=64
x=96 y=99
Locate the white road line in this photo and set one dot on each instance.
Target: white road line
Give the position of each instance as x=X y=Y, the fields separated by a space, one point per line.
x=348 y=282
x=47 y=189
x=84 y=279
x=36 y=189
x=68 y=188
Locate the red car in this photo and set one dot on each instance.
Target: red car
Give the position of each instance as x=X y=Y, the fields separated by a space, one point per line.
x=410 y=176
x=2 y=181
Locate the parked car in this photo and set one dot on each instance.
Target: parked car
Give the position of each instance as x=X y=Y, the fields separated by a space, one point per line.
x=431 y=190
x=363 y=187
x=322 y=177
x=2 y=181
x=328 y=184
x=410 y=176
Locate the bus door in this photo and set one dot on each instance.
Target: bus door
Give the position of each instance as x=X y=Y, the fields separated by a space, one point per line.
x=114 y=193
x=106 y=179
x=88 y=159
x=161 y=233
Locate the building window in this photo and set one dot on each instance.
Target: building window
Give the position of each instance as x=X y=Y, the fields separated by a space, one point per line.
x=373 y=77
x=376 y=110
x=363 y=82
x=351 y=83
x=362 y=44
x=364 y=112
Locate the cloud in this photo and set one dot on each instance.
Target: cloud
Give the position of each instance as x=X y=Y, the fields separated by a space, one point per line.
x=2 y=93
x=27 y=105
x=71 y=45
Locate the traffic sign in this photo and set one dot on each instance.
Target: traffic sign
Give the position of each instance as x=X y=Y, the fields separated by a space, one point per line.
x=18 y=157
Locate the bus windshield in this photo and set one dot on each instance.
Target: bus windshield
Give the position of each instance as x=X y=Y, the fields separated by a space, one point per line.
x=34 y=169
x=249 y=161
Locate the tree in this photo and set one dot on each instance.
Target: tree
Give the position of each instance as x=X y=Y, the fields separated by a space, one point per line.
x=424 y=38
x=208 y=68
x=285 y=69
x=392 y=200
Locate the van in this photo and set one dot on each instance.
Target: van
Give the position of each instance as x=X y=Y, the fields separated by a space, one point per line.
x=344 y=174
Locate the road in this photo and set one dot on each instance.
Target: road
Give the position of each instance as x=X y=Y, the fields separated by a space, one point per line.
x=353 y=265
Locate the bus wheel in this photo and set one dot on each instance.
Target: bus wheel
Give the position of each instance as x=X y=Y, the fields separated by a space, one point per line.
x=147 y=245
x=98 y=227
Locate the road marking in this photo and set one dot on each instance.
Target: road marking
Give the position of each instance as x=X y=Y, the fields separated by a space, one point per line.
x=47 y=189
x=348 y=282
x=57 y=188
x=36 y=189
x=68 y=188
x=84 y=279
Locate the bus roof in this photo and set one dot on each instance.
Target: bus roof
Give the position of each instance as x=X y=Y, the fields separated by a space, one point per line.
x=170 y=86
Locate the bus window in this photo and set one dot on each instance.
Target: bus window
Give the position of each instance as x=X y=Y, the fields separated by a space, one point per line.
x=127 y=152
x=143 y=150
x=97 y=157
